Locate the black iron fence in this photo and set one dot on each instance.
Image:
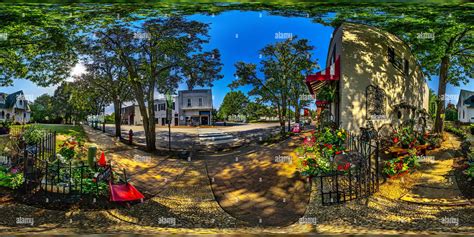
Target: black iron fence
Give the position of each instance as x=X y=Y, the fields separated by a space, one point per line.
x=46 y=174
x=360 y=180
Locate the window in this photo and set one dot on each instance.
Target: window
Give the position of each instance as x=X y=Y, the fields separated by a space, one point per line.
x=3 y=114
x=189 y=102
x=156 y=107
x=463 y=114
x=24 y=115
x=161 y=107
x=200 y=101
x=173 y=106
x=20 y=102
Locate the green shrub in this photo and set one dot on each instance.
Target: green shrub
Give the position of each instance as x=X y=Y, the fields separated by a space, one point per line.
x=456 y=131
x=33 y=135
x=472 y=128
x=10 y=180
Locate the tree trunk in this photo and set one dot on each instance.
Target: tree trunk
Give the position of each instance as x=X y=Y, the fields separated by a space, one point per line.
x=117 y=117
x=149 y=135
x=297 y=112
x=443 y=76
x=151 y=117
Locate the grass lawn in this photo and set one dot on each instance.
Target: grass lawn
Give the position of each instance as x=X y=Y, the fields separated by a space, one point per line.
x=63 y=131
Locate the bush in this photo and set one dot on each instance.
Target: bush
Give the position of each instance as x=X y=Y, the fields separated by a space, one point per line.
x=456 y=131
x=10 y=180
x=472 y=128
x=33 y=135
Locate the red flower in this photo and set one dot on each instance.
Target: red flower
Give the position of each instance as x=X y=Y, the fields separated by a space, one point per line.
x=347 y=166
x=399 y=165
x=94 y=180
x=73 y=143
x=338 y=152
x=339 y=167
x=329 y=146
x=395 y=139
x=305 y=163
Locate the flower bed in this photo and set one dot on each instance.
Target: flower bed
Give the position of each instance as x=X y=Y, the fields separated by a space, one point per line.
x=10 y=178
x=402 y=165
x=319 y=150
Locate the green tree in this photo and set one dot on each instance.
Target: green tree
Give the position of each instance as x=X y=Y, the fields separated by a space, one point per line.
x=108 y=77
x=284 y=66
x=42 y=109
x=157 y=56
x=234 y=103
x=451 y=112
x=257 y=110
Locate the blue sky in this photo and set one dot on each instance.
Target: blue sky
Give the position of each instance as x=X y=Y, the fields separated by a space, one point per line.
x=239 y=36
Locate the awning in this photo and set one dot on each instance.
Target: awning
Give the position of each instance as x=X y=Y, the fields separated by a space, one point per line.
x=316 y=81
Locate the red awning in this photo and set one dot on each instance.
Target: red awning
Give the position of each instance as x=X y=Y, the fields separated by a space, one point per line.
x=316 y=81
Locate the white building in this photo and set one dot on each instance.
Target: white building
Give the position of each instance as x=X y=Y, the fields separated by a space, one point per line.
x=465 y=106
x=373 y=76
x=195 y=107
x=14 y=107
x=189 y=107
x=160 y=112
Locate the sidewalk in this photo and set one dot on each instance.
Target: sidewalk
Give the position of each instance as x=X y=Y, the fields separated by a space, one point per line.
x=437 y=184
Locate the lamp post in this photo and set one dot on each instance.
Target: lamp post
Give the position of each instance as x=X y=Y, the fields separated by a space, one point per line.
x=103 y=120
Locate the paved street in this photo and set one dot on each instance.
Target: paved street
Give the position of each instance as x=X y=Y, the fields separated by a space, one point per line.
x=184 y=138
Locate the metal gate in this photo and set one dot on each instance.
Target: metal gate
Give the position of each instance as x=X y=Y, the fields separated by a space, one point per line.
x=359 y=181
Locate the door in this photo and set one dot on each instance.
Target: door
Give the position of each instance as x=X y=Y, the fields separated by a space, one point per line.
x=163 y=121
x=175 y=121
x=204 y=120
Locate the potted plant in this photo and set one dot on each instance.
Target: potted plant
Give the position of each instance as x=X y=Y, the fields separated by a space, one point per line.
x=5 y=126
x=326 y=94
x=407 y=139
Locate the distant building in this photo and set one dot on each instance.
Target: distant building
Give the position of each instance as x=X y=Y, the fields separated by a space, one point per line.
x=189 y=107
x=15 y=107
x=160 y=112
x=465 y=106
x=130 y=115
x=195 y=107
